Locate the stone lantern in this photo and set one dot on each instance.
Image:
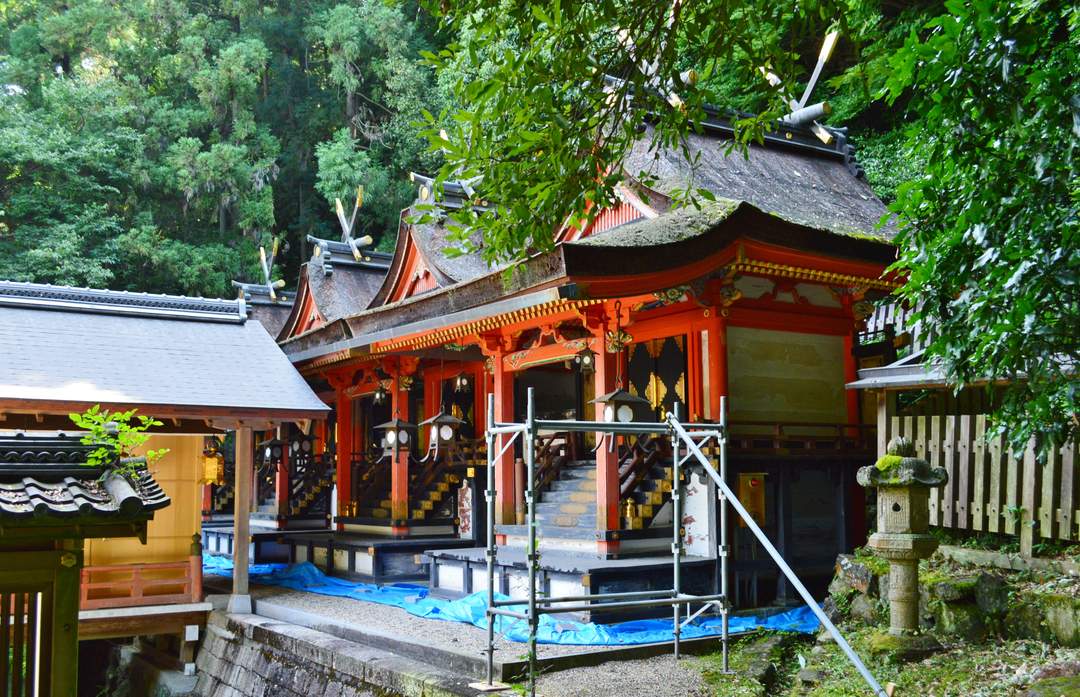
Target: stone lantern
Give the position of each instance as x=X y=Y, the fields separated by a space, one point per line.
x=903 y=484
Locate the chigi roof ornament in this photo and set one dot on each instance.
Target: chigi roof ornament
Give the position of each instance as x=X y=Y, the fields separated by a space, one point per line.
x=802 y=113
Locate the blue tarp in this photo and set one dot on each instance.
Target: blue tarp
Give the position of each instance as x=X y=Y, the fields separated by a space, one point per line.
x=414 y=599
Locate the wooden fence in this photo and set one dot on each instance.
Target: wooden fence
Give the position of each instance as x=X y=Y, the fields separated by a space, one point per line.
x=990 y=489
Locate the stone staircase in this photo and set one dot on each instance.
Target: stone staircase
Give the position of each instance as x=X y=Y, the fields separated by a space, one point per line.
x=434 y=501
x=566 y=507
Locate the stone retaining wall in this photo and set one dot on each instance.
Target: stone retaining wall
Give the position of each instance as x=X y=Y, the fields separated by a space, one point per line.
x=252 y=656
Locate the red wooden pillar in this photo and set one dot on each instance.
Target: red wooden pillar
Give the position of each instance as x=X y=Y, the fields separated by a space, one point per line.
x=281 y=483
x=344 y=452
x=607 y=460
x=716 y=356
x=505 y=475
x=399 y=468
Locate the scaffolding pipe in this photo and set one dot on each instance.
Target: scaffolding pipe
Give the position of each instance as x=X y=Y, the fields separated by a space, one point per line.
x=510 y=613
x=676 y=542
x=723 y=549
x=688 y=435
x=596 y=596
x=491 y=549
x=587 y=607
x=530 y=510
x=776 y=556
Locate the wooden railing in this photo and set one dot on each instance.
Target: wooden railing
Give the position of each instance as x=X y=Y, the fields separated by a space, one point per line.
x=990 y=489
x=637 y=460
x=131 y=585
x=790 y=436
x=553 y=450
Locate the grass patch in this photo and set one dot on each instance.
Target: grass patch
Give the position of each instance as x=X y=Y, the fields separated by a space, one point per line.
x=961 y=669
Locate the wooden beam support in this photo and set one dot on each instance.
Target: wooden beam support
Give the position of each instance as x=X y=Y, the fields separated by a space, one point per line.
x=240 y=600
x=607 y=460
x=399 y=468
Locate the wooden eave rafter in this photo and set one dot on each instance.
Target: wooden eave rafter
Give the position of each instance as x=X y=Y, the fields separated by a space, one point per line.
x=480 y=326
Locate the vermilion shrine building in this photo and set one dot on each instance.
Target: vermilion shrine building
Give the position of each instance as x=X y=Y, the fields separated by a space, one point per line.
x=756 y=297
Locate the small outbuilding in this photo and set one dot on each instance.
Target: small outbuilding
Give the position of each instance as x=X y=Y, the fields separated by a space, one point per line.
x=50 y=502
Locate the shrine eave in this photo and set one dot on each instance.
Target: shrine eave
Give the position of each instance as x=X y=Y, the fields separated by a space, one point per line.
x=640 y=257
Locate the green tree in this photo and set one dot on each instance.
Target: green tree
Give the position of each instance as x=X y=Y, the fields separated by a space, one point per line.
x=549 y=97
x=153 y=145
x=991 y=243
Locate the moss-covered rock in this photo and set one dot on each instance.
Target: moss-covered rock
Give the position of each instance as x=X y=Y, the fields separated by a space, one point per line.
x=1055 y=687
x=992 y=595
x=864 y=609
x=963 y=620
x=954 y=590
x=1025 y=620
x=1062 y=617
x=852 y=574
x=901 y=649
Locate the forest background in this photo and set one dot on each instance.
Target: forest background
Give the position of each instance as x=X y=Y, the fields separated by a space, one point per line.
x=152 y=145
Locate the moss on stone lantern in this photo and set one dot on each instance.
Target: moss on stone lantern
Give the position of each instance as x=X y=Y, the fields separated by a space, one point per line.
x=903 y=483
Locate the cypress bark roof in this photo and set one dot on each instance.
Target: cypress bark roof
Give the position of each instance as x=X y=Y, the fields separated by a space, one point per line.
x=820 y=190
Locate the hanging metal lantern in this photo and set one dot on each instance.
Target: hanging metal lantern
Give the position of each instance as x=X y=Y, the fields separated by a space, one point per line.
x=397 y=436
x=619 y=406
x=461 y=383
x=585 y=360
x=444 y=431
x=380 y=395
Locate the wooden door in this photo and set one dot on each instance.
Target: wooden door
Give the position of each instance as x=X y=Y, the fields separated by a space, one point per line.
x=657 y=372
x=39 y=623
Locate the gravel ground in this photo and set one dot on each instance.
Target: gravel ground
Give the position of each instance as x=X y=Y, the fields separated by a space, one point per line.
x=455 y=636
x=654 y=677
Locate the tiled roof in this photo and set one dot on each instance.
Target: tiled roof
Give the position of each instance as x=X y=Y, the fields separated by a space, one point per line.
x=69 y=347
x=48 y=477
x=100 y=301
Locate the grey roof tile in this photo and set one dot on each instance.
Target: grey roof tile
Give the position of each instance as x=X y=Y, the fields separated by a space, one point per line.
x=165 y=352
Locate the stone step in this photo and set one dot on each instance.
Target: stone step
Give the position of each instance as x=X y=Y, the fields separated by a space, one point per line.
x=565 y=508
x=550 y=532
x=578 y=473
x=568 y=496
x=565 y=520
x=574 y=485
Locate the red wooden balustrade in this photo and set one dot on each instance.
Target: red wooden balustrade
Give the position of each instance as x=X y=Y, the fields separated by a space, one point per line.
x=132 y=585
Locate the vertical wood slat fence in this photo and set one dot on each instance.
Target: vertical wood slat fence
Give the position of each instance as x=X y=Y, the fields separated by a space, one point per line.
x=990 y=489
x=23 y=657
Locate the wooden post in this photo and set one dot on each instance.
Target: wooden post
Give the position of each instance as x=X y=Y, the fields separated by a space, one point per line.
x=399 y=469
x=1029 y=498
x=344 y=452
x=716 y=336
x=207 y=502
x=64 y=617
x=607 y=460
x=281 y=483
x=505 y=478
x=240 y=600
x=195 y=568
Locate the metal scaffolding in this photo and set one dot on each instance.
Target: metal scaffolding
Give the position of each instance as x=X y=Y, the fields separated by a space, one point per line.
x=687 y=440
